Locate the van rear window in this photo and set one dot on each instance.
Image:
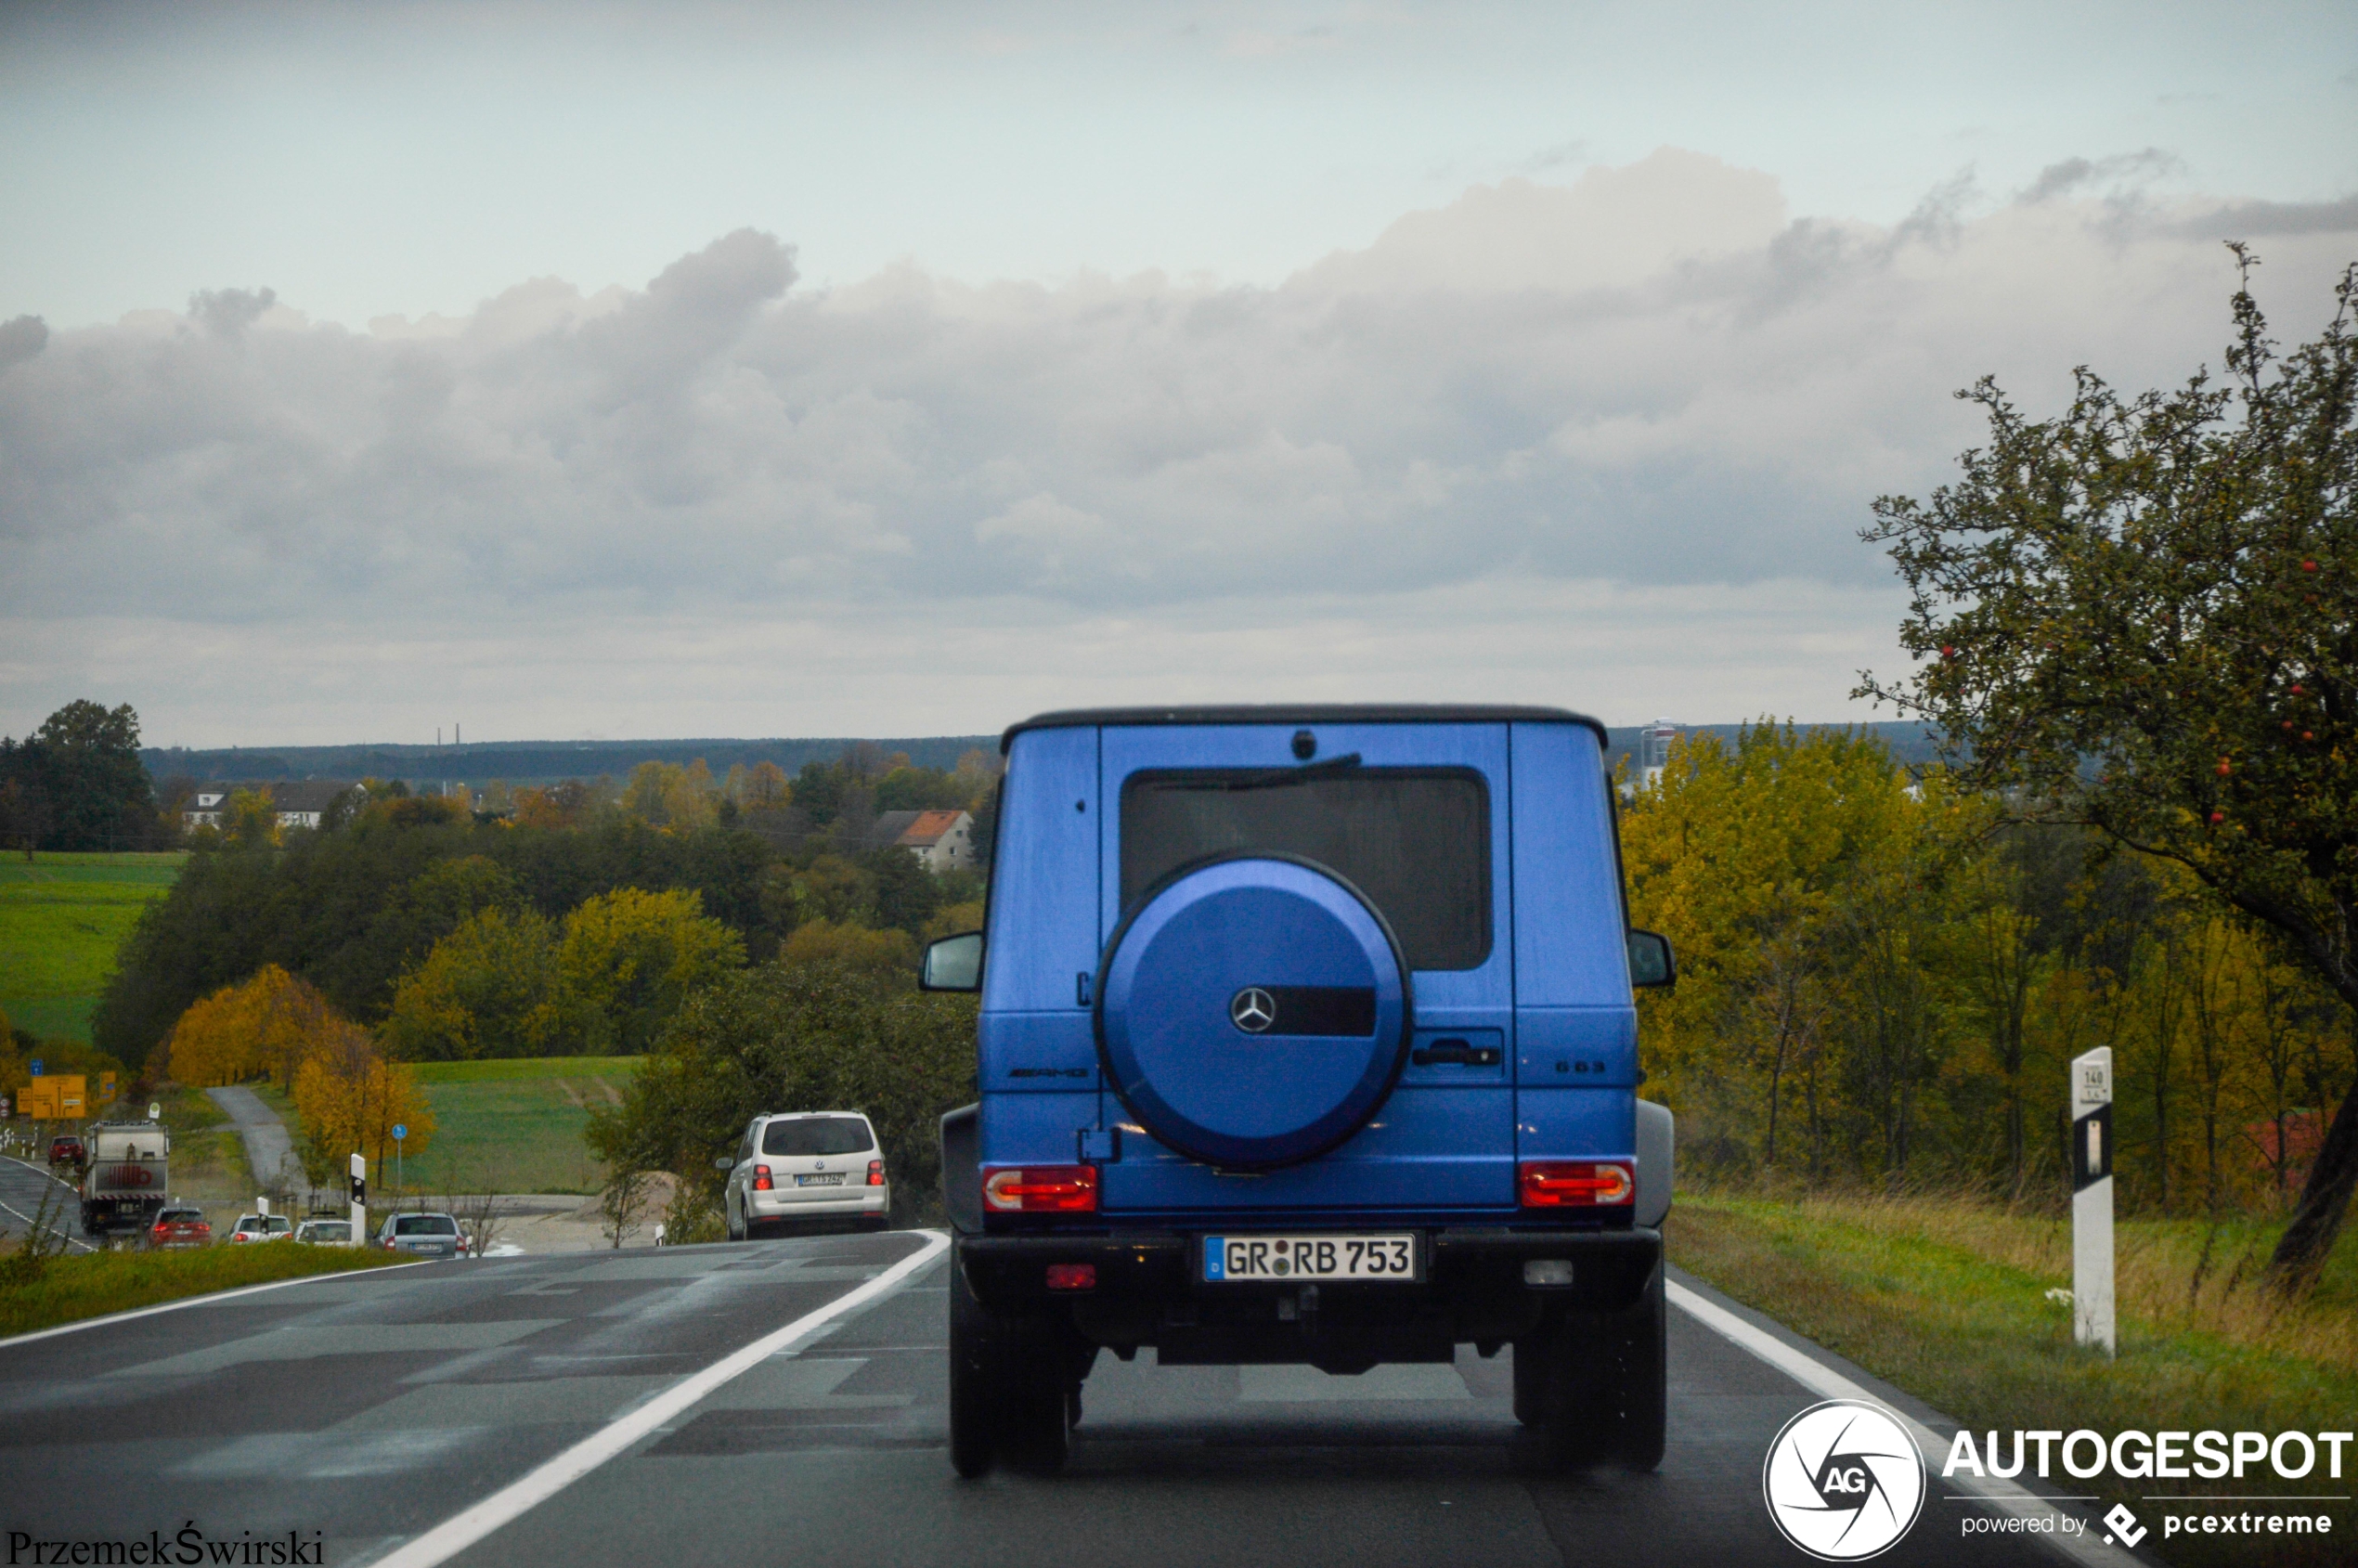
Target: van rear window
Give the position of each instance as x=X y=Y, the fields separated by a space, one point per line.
x=1415 y=840
x=818 y=1135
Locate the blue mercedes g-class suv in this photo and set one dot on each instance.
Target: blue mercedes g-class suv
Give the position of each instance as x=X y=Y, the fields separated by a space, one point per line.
x=1307 y=1035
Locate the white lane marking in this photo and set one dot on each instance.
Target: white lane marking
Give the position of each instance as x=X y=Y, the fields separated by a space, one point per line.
x=206 y=1300
x=455 y=1534
x=52 y=1229
x=1827 y=1384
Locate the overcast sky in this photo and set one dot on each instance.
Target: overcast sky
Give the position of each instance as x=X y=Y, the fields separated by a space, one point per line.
x=665 y=370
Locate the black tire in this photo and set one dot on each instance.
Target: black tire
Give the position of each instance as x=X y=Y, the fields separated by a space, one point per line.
x=1014 y=1386
x=729 y=1226
x=1603 y=1381
x=973 y=1435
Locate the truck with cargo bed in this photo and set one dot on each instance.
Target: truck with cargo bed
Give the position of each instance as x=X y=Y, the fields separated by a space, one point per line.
x=126 y=1177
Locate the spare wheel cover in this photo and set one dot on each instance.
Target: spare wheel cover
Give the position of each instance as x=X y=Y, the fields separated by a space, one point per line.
x=1254 y=1010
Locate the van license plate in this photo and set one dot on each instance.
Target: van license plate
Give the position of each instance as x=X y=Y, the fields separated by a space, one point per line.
x=1227 y=1259
x=835 y=1179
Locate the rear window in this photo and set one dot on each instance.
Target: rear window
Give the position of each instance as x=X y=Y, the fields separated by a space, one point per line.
x=818 y=1135
x=1415 y=840
x=425 y=1225
x=333 y=1230
x=179 y=1216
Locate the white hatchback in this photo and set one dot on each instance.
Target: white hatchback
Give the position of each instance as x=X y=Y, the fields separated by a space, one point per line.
x=820 y=1170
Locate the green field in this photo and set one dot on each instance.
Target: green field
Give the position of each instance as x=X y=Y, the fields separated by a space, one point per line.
x=62 y=918
x=513 y=1126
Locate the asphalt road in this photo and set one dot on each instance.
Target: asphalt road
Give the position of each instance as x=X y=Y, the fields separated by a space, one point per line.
x=22 y=1189
x=364 y=1413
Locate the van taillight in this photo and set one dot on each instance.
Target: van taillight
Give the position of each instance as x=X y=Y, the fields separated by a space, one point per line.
x=1041 y=1189
x=875 y=1173
x=1578 y=1184
x=762 y=1178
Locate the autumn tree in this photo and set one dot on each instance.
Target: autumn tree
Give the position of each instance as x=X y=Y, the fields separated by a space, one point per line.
x=351 y=1098
x=2142 y=616
x=629 y=958
x=266 y=1023
x=488 y=988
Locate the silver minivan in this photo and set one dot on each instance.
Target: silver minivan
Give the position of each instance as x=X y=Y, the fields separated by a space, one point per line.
x=818 y=1170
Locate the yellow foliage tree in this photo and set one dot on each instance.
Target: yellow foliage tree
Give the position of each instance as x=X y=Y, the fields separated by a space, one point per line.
x=351 y=1098
x=629 y=958
x=266 y=1023
x=666 y=795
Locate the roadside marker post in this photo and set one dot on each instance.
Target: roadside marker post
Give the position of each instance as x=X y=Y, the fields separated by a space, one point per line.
x=2092 y=1255
x=400 y=1132
x=359 y=1201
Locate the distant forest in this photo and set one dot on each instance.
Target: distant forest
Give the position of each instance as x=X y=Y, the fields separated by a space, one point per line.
x=533 y=762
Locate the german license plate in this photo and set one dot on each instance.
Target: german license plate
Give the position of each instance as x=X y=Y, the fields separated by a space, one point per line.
x=1227 y=1259
x=835 y=1179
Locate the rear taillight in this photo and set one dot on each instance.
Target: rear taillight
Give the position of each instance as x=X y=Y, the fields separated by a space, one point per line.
x=1578 y=1184
x=875 y=1173
x=762 y=1178
x=1041 y=1189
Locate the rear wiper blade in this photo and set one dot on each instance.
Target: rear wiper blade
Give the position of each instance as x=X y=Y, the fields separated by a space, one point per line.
x=1308 y=772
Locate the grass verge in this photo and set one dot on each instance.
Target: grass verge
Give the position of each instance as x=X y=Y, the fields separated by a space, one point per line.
x=1948 y=1299
x=62 y=917
x=92 y=1285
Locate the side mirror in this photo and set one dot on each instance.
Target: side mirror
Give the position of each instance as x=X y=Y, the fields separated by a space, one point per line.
x=726 y=1162
x=953 y=964
x=1649 y=960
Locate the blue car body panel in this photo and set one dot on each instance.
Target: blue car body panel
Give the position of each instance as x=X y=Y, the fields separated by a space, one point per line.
x=1551 y=997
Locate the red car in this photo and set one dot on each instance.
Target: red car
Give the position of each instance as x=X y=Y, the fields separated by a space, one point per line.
x=180 y=1227
x=66 y=1150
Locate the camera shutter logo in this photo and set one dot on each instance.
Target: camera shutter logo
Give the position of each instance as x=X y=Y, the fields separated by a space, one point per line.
x=1844 y=1481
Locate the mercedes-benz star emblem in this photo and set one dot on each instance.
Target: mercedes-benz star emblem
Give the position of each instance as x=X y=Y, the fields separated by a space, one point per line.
x=1253 y=1009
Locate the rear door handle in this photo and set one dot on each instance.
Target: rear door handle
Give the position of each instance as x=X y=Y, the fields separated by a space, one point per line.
x=1457 y=1050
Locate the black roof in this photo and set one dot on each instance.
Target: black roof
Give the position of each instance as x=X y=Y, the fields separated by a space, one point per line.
x=1305 y=713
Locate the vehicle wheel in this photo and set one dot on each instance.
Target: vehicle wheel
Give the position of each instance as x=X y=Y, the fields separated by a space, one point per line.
x=973 y=1434
x=1605 y=1384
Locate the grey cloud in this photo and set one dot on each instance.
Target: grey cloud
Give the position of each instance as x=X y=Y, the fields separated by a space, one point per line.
x=2076 y=176
x=21 y=339
x=229 y=312
x=2259 y=220
x=1650 y=377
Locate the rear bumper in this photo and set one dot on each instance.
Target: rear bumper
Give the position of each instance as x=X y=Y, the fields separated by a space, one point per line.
x=787 y=1206
x=1149 y=1291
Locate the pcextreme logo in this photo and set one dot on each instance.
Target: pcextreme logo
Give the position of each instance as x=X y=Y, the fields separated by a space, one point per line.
x=1844 y=1481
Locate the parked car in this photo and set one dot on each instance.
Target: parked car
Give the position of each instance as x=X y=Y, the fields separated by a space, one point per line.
x=177 y=1228
x=325 y=1233
x=806 y=1171
x=429 y=1235
x=66 y=1150
x=263 y=1228
x=1307 y=1035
